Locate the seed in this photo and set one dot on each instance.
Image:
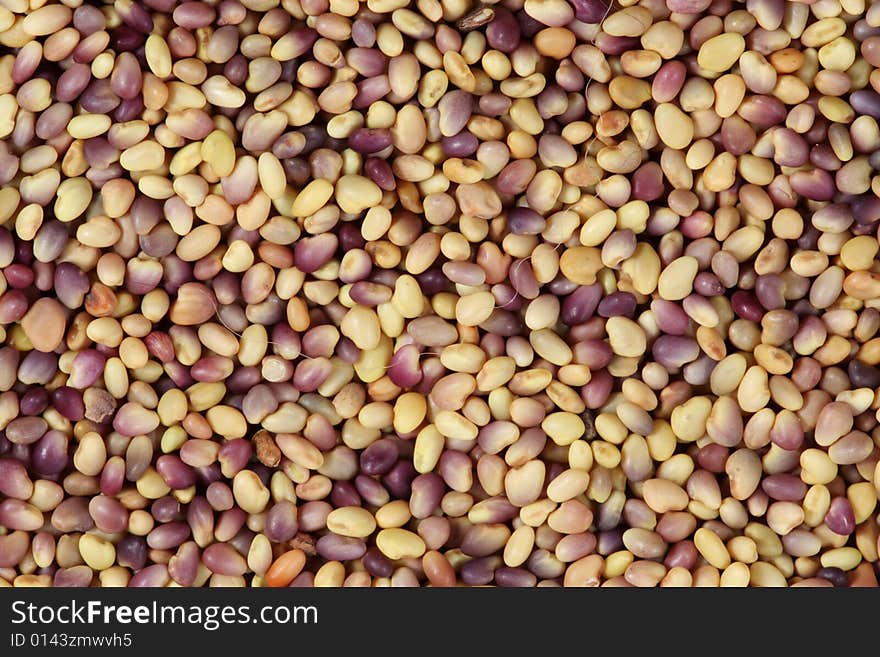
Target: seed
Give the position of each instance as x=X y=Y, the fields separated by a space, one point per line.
x=86 y=126
x=351 y=521
x=720 y=52
x=674 y=127
x=396 y=543
x=587 y=297
x=99 y=554
x=676 y=280
x=45 y=324
x=626 y=337
x=145 y=156
x=285 y=568
x=355 y=194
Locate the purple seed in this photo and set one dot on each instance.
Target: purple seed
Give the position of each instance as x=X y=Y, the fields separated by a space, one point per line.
x=525 y=221
x=840 y=517
x=503 y=33
x=379 y=457
x=34 y=401
x=784 y=487
x=617 y=304
x=340 y=548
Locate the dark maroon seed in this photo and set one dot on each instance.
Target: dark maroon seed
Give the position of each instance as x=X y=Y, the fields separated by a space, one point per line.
x=746 y=306
x=399 y=480
x=580 y=305
x=369 y=140
x=135 y=16
x=866 y=208
x=836 y=576
x=529 y=26
x=34 y=401
x=840 y=517
x=617 y=304
x=69 y=402
x=503 y=33
x=174 y=472
x=344 y=493
x=377 y=564
x=131 y=552
x=433 y=281
x=589 y=11
x=125 y=39
x=129 y=110
x=863 y=375
x=763 y=111
x=379 y=171
x=379 y=457
x=404 y=369
x=713 y=457
x=18 y=276
x=464 y=144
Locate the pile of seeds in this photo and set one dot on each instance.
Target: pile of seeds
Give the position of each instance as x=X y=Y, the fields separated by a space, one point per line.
x=405 y=293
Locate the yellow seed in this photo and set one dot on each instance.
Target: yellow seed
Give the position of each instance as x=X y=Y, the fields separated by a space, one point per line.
x=312 y=198
x=396 y=543
x=158 y=56
x=73 y=198
x=712 y=548
x=86 y=126
x=674 y=127
x=627 y=338
x=218 y=150
x=721 y=52
x=355 y=193
x=146 y=156
x=98 y=553
x=351 y=521
x=676 y=281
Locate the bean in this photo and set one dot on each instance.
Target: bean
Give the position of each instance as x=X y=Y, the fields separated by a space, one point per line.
x=396 y=543
x=285 y=568
x=488 y=283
